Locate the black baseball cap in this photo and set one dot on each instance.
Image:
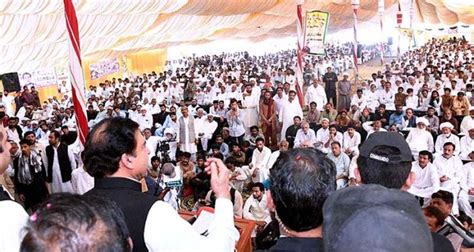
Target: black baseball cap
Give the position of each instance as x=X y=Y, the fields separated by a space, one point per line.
x=374 y=218
x=389 y=139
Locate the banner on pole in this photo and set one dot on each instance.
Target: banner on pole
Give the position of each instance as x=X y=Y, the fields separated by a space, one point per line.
x=38 y=78
x=104 y=67
x=316 y=27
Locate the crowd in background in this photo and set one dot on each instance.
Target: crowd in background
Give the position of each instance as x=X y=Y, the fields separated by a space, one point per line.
x=245 y=111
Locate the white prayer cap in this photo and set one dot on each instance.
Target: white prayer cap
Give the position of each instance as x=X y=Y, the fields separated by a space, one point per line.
x=345 y=74
x=324 y=119
x=422 y=120
x=157 y=125
x=438 y=81
x=169 y=131
x=471 y=108
x=446 y=125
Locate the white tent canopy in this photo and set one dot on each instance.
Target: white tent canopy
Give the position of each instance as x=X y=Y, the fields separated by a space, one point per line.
x=33 y=32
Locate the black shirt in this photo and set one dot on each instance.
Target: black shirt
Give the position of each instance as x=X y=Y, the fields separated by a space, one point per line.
x=135 y=204
x=298 y=244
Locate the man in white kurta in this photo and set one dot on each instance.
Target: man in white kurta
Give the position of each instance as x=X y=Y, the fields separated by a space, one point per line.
x=283 y=146
x=426 y=177
x=316 y=93
x=453 y=179
x=305 y=137
x=258 y=166
x=186 y=136
x=209 y=126
x=467 y=121
x=255 y=207
x=447 y=136
x=249 y=112
x=289 y=110
x=351 y=142
x=467 y=144
x=58 y=185
x=420 y=138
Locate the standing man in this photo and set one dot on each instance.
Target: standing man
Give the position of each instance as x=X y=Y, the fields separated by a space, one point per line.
x=289 y=110
x=330 y=80
x=12 y=215
x=115 y=154
x=186 y=133
x=268 y=119
x=344 y=89
x=316 y=93
x=250 y=101
x=59 y=163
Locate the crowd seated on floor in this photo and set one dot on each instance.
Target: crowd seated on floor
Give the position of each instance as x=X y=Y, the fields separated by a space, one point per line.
x=245 y=111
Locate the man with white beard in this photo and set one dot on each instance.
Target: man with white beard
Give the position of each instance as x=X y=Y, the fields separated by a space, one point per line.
x=420 y=138
x=467 y=142
x=250 y=100
x=316 y=93
x=144 y=119
x=288 y=111
x=447 y=136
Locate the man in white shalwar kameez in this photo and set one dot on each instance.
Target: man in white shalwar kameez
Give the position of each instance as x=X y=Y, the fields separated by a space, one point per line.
x=467 y=143
x=250 y=101
x=426 y=177
x=453 y=179
x=57 y=185
x=186 y=136
x=289 y=110
x=445 y=137
x=316 y=93
x=258 y=166
x=420 y=138
x=206 y=130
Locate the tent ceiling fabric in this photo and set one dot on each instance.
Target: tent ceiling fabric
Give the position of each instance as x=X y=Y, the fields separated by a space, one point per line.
x=33 y=33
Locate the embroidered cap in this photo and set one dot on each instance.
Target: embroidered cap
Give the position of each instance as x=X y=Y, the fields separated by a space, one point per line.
x=389 y=139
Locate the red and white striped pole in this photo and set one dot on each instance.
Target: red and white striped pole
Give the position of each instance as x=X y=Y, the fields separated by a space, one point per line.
x=355 y=7
x=75 y=68
x=299 y=51
x=399 y=23
x=382 y=37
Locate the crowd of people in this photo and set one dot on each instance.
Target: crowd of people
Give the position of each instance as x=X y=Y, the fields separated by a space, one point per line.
x=228 y=132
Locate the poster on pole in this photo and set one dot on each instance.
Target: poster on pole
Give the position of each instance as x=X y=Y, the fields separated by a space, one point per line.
x=316 y=26
x=38 y=78
x=104 y=68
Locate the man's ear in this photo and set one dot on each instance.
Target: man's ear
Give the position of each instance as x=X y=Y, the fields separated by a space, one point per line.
x=126 y=161
x=270 y=204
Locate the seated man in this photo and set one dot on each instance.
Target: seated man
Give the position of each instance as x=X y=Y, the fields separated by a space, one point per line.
x=334 y=136
x=294 y=172
x=115 y=154
x=426 y=177
x=453 y=179
x=256 y=209
x=443 y=200
x=305 y=137
x=467 y=142
x=420 y=138
x=258 y=166
x=342 y=162
x=446 y=136
x=351 y=141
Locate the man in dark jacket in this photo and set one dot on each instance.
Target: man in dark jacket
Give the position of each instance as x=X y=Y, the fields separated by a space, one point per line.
x=330 y=80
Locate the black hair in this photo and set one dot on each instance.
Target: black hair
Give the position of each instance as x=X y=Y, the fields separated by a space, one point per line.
x=155 y=158
x=336 y=143
x=68 y=222
x=259 y=139
x=231 y=160
x=445 y=196
x=434 y=212
x=426 y=153
x=449 y=143
x=106 y=143
x=56 y=134
x=299 y=117
x=259 y=185
x=254 y=127
x=381 y=173
x=300 y=182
